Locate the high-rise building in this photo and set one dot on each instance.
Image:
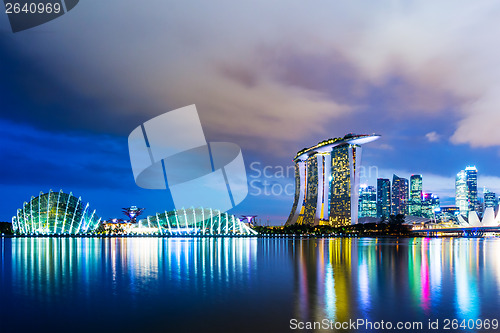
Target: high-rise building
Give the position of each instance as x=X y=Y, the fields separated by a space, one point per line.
x=471 y=173
x=466 y=191
x=415 y=204
x=367 y=201
x=383 y=197
x=490 y=199
x=326 y=182
x=461 y=200
x=431 y=207
x=427 y=205
x=479 y=207
x=399 y=195
x=436 y=205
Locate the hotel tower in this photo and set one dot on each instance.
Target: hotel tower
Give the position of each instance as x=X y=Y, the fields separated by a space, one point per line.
x=327 y=182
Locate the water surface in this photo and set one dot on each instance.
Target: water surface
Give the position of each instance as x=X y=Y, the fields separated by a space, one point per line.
x=241 y=284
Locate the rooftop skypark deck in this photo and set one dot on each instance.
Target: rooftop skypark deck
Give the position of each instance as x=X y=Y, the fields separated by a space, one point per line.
x=327 y=145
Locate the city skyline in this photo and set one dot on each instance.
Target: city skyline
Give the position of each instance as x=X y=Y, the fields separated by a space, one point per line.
x=269 y=91
x=260 y=166
x=412 y=200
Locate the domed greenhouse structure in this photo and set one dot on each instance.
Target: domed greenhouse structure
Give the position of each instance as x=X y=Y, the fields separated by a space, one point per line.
x=55 y=213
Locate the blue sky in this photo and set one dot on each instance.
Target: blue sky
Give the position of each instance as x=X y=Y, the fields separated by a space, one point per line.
x=270 y=77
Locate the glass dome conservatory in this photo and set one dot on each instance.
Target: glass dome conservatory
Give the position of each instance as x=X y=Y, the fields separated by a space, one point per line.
x=192 y=221
x=55 y=214
x=58 y=213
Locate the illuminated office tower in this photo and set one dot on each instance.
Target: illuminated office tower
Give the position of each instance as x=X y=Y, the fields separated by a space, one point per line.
x=326 y=182
x=479 y=207
x=490 y=199
x=427 y=205
x=466 y=191
x=367 y=201
x=431 y=207
x=471 y=173
x=461 y=200
x=383 y=197
x=436 y=205
x=399 y=195
x=415 y=206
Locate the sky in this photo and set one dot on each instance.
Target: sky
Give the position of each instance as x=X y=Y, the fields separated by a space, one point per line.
x=271 y=77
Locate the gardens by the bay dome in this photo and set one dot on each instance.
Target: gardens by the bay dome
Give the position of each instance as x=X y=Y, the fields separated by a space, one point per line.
x=58 y=213
x=55 y=213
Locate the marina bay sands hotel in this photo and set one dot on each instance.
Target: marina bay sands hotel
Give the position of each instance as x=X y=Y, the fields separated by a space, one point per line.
x=327 y=182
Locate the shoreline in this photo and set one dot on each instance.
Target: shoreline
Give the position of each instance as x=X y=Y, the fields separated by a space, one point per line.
x=235 y=236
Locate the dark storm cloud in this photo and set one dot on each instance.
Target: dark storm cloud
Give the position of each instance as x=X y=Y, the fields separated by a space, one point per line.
x=334 y=58
x=332 y=73
x=402 y=109
x=288 y=80
x=47 y=98
x=342 y=80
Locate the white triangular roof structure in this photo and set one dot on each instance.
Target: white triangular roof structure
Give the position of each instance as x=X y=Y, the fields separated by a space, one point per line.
x=474 y=220
x=497 y=218
x=489 y=219
x=462 y=221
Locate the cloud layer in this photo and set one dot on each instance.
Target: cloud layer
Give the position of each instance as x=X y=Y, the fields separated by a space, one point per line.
x=273 y=77
x=283 y=69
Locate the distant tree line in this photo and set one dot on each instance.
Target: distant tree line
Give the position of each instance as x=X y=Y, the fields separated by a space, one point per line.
x=394 y=226
x=6 y=228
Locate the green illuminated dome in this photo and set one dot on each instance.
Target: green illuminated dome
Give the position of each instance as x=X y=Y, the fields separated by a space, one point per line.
x=55 y=213
x=193 y=221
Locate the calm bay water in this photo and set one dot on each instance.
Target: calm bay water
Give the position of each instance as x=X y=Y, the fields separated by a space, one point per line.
x=241 y=285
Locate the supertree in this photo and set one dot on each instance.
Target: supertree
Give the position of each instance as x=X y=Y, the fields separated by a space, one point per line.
x=132 y=213
x=249 y=218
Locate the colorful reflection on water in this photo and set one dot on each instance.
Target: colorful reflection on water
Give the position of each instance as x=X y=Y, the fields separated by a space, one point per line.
x=397 y=280
x=244 y=285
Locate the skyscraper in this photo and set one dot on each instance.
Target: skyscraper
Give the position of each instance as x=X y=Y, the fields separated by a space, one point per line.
x=479 y=207
x=383 y=197
x=367 y=201
x=490 y=199
x=431 y=207
x=471 y=173
x=436 y=205
x=415 y=206
x=461 y=192
x=326 y=182
x=399 y=195
x=466 y=191
x=426 y=205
